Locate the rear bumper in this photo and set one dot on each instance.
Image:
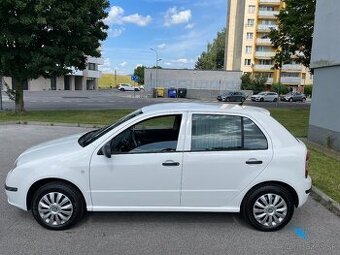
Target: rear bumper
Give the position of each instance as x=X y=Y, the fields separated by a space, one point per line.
x=304 y=190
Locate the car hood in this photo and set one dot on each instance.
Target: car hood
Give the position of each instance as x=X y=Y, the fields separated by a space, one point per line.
x=51 y=149
x=257 y=96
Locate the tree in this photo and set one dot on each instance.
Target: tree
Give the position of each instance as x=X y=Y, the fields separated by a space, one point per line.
x=256 y=85
x=48 y=37
x=213 y=58
x=139 y=72
x=294 y=35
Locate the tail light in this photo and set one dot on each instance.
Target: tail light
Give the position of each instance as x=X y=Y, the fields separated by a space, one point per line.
x=307 y=164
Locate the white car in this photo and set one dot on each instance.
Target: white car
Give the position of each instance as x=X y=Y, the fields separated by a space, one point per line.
x=127 y=87
x=168 y=157
x=265 y=97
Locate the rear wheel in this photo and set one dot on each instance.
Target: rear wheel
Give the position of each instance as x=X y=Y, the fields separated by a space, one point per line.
x=227 y=99
x=303 y=100
x=243 y=99
x=268 y=208
x=290 y=99
x=275 y=100
x=57 y=206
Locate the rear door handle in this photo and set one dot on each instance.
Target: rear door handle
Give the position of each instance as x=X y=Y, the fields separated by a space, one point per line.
x=254 y=162
x=170 y=163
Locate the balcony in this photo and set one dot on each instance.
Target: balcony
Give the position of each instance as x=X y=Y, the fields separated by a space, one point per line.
x=258 y=67
x=270 y=2
x=266 y=41
x=290 y=80
x=292 y=67
x=269 y=81
x=266 y=28
x=99 y=61
x=264 y=54
x=268 y=14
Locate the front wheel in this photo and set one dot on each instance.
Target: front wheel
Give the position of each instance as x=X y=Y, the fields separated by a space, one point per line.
x=243 y=99
x=57 y=206
x=268 y=208
x=275 y=100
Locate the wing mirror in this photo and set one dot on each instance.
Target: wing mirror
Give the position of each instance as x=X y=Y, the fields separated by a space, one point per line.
x=106 y=149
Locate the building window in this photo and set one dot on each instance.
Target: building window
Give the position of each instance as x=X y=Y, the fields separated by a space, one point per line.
x=293 y=75
x=263 y=49
x=250 y=22
x=250 y=36
x=251 y=9
x=92 y=66
x=266 y=62
x=247 y=62
x=248 y=49
x=266 y=8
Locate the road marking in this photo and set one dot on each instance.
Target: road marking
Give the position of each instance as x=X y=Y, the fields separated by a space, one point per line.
x=300 y=233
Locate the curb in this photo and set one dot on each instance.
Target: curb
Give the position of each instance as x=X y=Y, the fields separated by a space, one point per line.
x=326 y=201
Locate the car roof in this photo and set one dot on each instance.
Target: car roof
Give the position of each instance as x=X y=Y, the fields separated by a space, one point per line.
x=203 y=107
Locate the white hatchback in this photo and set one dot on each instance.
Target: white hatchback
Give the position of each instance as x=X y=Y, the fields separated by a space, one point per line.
x=127 y=87
x=168 y=157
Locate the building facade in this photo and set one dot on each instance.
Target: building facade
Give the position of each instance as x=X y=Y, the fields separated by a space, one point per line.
x=324 y=122
x=77 y=80
x=248 y=47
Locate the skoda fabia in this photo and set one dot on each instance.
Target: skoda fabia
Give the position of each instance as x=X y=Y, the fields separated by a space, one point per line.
x=168 y=157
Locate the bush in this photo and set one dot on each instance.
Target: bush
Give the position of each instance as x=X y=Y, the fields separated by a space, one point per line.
x=256 y=85
x=280 y=88
x=308 y=90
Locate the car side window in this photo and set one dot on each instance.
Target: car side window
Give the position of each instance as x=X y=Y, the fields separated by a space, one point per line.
x=254 y=139
x=159 y=134
x=212 y=132
x=215 y=132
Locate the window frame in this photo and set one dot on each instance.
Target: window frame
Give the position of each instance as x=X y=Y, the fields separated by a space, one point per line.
x=242 y=116
x=181 y=133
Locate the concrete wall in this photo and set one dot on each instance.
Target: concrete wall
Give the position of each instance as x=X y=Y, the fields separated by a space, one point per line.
x=192 y=79
x=324 y=125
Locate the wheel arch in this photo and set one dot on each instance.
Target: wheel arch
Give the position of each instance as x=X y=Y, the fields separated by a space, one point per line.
x=276 y=183
x=36 y=185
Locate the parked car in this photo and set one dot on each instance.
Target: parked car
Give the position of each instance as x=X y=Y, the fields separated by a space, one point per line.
x=294 y=97
x=232 y=96
x=167 y=157
x=127 y=87
x=265 y=97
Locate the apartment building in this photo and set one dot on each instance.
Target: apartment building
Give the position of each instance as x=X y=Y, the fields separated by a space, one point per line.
x=86 y=79
x=248 y=47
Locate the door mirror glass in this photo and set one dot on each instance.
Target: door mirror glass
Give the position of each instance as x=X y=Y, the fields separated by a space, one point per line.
x=107 y=150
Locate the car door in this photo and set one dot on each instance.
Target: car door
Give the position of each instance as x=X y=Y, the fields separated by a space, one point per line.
x=140 y=173
x=223 y=154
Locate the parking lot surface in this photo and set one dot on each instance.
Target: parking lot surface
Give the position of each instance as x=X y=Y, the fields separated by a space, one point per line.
x=313 y=229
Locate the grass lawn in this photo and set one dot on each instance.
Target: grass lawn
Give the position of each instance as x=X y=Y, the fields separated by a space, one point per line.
x=324 y=170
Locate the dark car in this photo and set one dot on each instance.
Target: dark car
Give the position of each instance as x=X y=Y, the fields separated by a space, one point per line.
x=233 y=96
x=294 y=97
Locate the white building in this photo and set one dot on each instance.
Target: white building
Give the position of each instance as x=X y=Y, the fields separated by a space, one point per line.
x=78 y=80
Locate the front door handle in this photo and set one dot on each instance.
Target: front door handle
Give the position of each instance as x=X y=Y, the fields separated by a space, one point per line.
x=170 y=163
x=254 y=162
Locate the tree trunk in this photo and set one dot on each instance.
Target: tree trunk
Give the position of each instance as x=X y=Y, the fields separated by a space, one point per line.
x=19 y=94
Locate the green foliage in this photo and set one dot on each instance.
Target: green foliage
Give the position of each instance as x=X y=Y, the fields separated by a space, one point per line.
x=294 y=35
x=139 y=72
x=213 y=58
x=280 y=88
x=308 y=90
x=48 y=37
x=256 y=85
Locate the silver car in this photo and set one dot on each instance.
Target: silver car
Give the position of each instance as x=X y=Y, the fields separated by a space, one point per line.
x=265 y=97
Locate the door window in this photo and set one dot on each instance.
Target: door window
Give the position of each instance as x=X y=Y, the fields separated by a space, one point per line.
x=153 y=135
x=225 y=132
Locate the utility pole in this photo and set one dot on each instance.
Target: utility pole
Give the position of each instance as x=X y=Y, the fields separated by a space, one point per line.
x=115 y=78
x=157 y=60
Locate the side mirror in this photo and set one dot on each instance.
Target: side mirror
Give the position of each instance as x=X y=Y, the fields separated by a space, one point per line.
x=106 y=149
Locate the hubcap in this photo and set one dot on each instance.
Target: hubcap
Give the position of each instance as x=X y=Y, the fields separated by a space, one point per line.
x=270 y=210
x=55 y=208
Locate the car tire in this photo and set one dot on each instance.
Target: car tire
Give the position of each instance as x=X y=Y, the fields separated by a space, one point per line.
x=227 y=99
x=268 y=208
x=275 y=100
x=242 y=99
x=122 y=89
x=290 y=100
x=261 y=99
x=57 y=206
x=303 y=100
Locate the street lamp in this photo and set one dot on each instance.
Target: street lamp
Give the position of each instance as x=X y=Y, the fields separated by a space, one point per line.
x=157 y=60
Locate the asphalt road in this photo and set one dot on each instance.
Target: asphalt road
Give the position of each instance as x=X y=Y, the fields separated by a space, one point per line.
x=313 y=229
x=111 y=99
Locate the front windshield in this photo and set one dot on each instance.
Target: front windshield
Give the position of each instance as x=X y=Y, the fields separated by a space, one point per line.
x=91 y=136
x=261 y=93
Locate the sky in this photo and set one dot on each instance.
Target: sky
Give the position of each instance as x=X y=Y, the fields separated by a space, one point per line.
x=179 y=30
